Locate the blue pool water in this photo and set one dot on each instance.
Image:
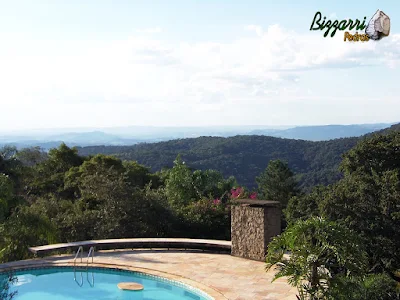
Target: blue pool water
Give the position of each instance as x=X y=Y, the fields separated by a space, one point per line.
x=96 y=283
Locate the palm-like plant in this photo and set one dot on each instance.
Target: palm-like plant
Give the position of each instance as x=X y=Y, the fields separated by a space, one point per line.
x=315 y=254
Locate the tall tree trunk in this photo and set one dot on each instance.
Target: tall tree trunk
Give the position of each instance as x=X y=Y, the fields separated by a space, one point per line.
x=314 y=280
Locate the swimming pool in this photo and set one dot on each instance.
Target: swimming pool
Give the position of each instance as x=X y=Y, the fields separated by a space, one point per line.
x=63 y=283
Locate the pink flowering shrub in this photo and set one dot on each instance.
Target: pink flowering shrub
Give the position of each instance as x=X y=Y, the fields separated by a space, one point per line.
x=210 y=215
x=241 y=193
x=237 y=193
x=253 y=195
x=217 y=201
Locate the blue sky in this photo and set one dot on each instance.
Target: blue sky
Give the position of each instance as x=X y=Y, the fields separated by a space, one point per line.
x=192 y=63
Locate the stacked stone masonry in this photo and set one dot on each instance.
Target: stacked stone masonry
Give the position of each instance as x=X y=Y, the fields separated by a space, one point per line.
x=254 y=224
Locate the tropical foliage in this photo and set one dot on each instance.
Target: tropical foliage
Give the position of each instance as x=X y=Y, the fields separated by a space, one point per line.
x=367 y=202
x=322 y=253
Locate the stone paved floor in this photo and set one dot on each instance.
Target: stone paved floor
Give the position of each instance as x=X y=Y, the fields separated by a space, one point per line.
x=221 y=275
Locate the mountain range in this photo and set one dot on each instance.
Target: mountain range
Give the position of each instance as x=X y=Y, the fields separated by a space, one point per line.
x=51 y=138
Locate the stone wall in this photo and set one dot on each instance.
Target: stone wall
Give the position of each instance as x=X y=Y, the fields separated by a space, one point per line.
x=253 y=224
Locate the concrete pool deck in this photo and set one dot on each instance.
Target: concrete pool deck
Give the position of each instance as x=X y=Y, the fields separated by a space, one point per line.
x=222 y=276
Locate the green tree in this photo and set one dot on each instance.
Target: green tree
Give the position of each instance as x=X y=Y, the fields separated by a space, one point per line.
x=23 y=229
x=207 y=218
x=304 y=206
x=277 y=182
x=375 y=154
x=179 y=186
x=31 y=156
x=63 y=158
x=6 y=196
x=111 y=199
x=48 y=176
x=211 y=184
x=370 y=205
x=366 y=200
x=199 y=200
x=102 y=194
x=140 y=176
x=10 y=165
x=321 y=253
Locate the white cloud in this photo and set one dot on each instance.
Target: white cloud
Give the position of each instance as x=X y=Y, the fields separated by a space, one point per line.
x=257 y=29
x=144 y=68
x=263 y=69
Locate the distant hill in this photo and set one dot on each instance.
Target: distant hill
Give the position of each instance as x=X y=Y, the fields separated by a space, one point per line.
x=86 y=137
x=71 y=139
x=244 y=157
x=323 y=133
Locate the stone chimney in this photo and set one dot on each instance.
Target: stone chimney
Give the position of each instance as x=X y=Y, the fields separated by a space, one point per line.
x=253 y=224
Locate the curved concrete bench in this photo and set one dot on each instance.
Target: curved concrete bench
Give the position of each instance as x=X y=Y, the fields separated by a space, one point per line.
x=179 y=243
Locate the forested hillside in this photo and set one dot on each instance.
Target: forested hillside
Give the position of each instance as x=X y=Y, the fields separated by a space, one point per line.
x=243 y=157
x=395 y=127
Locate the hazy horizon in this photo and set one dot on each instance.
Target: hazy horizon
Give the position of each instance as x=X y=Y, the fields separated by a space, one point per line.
x=94 y=129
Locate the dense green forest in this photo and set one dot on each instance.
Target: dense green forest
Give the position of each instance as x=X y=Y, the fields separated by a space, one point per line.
x=350 y=227
x=243 y=157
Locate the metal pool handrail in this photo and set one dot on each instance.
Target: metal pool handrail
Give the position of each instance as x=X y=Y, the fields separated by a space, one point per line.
x=90 y=254
x=80 y=250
